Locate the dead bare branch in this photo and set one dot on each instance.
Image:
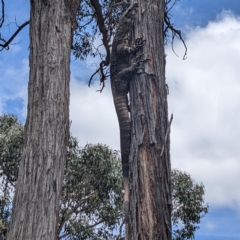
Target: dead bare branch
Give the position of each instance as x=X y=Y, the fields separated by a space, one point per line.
x=87 y=23
x=5 y=44
x=105 y=39
x=175 y=33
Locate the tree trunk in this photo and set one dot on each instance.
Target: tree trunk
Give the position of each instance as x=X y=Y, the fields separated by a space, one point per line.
x=150 y=179
x=37 y=198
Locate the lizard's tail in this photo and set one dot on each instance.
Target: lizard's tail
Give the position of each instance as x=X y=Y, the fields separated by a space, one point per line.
x=121 y=105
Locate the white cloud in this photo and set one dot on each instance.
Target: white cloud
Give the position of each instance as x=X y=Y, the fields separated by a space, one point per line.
x=210 y=226
x=182 y=11
x=205 y=100
x=14 y=79
x=93 y=115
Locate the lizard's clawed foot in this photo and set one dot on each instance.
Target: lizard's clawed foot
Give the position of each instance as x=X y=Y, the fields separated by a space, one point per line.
x=139 y=42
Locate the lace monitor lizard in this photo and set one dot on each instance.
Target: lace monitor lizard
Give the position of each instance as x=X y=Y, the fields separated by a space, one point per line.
x=121 y=71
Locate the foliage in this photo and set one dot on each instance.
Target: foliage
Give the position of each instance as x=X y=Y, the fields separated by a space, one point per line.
x=5 y=207
x=92 y=192
x=188 y=205
x=94 y=15
x=11 y=142
x=91 y=203
x=91 y=16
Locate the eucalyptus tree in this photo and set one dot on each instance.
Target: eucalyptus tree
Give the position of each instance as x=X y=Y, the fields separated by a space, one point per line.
x=150 y=201
x=91 y=196
x=38 y=190
x=188 y=205
x=91 y=200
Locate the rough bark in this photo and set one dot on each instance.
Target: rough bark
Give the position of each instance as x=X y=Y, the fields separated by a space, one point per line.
x=150 y=180
x=38 y=190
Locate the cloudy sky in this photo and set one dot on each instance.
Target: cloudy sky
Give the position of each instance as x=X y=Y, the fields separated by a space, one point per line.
x=204 y=99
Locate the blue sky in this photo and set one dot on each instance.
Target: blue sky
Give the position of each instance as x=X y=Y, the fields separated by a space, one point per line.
x=204 y=98
x=202 y=11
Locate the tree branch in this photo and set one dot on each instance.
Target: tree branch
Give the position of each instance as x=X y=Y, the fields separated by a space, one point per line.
x=91 y=226
x=74 y=210
x=105 y=39
x=120 y=231
x=64 y=235
x=95 y=224
x=5 y=44
x=175 y=32
x=2 y=15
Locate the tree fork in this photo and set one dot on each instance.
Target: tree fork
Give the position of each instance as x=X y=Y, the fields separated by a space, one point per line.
x=38 y=190
x=150 y=180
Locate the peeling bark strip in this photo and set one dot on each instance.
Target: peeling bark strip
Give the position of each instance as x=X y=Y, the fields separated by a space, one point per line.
x=38 y=190
x=150 y=179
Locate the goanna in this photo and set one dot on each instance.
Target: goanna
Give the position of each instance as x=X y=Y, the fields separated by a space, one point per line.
x=121 y=71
